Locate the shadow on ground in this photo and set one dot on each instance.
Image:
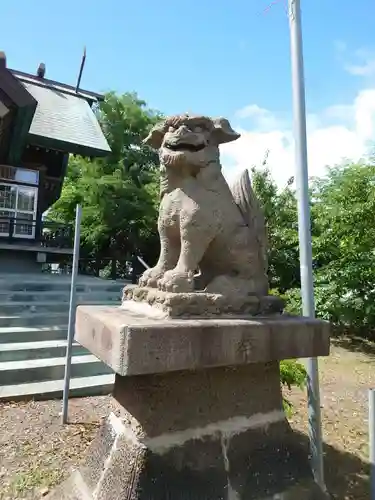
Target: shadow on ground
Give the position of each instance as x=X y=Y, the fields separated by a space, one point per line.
x=355 y=344
x=346 y=475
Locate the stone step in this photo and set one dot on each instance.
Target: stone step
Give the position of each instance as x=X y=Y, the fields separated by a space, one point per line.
x=40 y=370
x=33 y=319
x=34 y=308
x=64 y=296
x=33 y=331
x=21 y=351
x=51 y=285
x=33 y=334
x=96 y=385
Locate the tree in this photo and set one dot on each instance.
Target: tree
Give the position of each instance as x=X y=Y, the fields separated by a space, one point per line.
x=343 y=207
x=280 y=210
x=118 y=193
x=344 y=248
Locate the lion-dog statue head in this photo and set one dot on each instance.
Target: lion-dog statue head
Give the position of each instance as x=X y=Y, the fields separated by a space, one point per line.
x=189 y=143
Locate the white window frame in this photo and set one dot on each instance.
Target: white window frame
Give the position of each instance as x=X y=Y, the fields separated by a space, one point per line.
x=25 y=212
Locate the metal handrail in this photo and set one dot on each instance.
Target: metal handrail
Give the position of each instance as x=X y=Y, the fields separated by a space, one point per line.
x=50 y=233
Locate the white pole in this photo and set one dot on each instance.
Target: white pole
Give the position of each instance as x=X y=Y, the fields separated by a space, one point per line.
x=72 y=314
x=371 y=433
x=143 y=262
x=304 y=230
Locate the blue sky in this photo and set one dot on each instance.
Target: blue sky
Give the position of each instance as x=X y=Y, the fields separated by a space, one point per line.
x=208 y=57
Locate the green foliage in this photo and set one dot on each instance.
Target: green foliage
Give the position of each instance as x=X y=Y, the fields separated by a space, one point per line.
x=344 y=249
x=280 y=210
x=293 y=301
x=125 y=121
x=343 y=235
x=292 y=374
x=119 y=193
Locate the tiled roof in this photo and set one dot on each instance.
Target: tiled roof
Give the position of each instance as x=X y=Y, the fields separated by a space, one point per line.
x=65 y=118
x=45 y=82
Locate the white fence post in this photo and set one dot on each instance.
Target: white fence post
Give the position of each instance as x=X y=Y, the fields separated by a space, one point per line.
x=146 y=266
x=72 y=314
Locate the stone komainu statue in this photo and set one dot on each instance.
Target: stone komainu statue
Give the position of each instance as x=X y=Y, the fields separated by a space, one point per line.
x=203 y=224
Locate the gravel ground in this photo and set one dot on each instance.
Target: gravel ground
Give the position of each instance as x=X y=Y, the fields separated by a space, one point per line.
x=36 y=452
x=345 y=377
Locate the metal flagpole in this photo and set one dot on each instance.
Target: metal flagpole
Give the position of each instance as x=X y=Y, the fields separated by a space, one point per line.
x=304 y=232
x=72 y=313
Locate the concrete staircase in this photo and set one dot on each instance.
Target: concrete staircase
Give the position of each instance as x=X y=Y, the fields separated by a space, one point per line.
x=34 y=313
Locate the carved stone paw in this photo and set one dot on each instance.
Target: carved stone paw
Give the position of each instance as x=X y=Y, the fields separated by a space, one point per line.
x=150 y=277
x=177 y=282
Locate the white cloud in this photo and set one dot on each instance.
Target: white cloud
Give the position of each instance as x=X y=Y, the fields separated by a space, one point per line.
x=261 y=118
x=337 y=133
x=363 y=63
x=342 y=112
x=359 y=62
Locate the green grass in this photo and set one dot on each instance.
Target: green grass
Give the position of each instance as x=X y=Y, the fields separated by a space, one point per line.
x=36 y=477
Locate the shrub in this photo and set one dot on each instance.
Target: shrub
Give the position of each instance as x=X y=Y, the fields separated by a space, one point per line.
x=292 y=373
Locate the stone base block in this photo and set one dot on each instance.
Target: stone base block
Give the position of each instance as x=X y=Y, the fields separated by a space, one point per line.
x=202 y=304
x=200 y=408
x=133 y=343
x=183 y=405
x=261 y=463
x=210 y=434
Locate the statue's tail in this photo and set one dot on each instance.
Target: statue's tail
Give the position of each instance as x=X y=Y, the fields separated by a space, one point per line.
x=251 y=212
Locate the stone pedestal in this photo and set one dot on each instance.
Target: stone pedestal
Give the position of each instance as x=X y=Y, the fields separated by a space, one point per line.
x=201 y=409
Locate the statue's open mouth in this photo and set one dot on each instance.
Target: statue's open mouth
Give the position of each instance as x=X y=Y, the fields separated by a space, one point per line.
x=182 y=146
